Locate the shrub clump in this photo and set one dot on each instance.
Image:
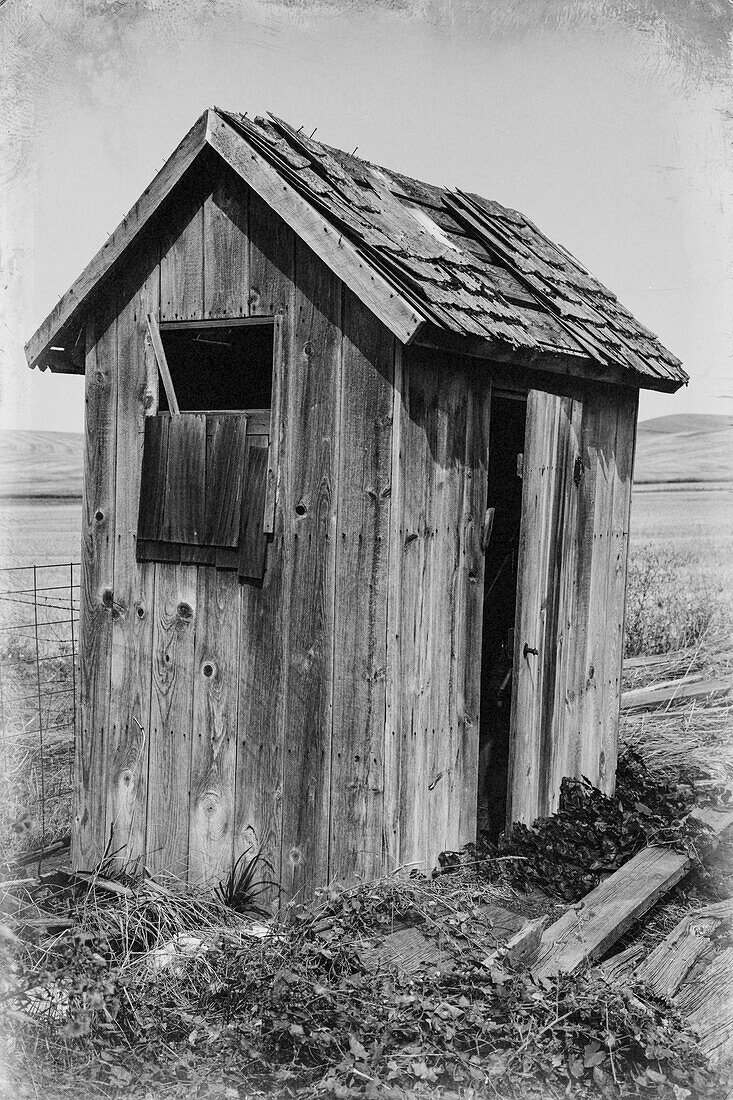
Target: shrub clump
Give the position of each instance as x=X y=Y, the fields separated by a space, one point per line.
x=668 y=604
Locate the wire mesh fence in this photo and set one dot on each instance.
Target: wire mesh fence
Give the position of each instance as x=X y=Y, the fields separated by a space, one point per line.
x=39 y=616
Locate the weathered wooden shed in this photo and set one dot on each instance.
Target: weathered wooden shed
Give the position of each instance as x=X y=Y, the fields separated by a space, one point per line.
x=391 y=513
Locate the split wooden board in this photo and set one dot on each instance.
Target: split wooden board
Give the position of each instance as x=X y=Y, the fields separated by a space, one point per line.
x=588 y=929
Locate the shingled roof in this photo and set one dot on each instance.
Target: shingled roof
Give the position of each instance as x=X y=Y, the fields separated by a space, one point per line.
x=459 y=263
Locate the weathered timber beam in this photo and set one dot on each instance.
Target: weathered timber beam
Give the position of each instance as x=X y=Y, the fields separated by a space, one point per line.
x=588 y=929
x=328 y=243
x=131 y=225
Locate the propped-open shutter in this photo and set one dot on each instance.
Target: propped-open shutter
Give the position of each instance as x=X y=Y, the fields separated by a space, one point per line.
x=570 y=595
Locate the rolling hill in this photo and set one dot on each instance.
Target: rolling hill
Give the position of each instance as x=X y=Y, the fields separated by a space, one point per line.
x=41 y=464
x=685 y=447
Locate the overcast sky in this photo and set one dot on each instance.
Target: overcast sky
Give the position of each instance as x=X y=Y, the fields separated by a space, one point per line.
x=610 y=128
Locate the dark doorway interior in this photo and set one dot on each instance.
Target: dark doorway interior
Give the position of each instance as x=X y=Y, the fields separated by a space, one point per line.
x=506 y=449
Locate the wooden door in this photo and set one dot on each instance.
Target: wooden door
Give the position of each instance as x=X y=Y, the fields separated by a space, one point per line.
x=570 y=594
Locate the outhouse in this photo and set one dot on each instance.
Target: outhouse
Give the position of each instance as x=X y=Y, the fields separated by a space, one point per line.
x=356 y=510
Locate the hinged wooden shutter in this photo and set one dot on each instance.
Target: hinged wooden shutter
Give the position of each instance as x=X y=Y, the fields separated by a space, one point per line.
x=202 y=495
x=570 y=594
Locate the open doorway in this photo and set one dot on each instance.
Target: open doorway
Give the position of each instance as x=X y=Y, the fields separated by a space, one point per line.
x=506 y=450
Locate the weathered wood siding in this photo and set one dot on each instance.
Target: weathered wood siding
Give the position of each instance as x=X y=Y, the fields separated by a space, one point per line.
x=362 y=564
x=570 y=593
x=245 y=716
x=440 y=454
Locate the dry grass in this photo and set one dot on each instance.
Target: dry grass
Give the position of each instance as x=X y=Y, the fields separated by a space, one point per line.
x=672 y=601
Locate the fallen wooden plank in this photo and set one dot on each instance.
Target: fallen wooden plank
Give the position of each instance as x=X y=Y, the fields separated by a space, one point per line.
x=689 y=687
x=521 y=949
x=409 y=949
x=682 y=681
x=676 y=657
x=664 y=971
x=588 y=929
x=648 y=660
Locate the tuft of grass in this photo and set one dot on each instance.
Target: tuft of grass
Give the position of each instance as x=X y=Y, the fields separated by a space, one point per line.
x=244 y=884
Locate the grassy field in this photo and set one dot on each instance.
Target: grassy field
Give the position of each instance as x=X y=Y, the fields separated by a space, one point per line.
x=39 y=530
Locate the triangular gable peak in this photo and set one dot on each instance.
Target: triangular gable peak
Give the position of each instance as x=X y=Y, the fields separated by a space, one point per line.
x=447 y=269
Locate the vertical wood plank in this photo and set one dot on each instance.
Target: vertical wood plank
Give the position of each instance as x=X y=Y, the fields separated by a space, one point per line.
x=558 y=720
x=610 y=430
x=466 y=674
x=153 y=478
x=252 y=538
x=172 y=659
x=309 y=589
x=226 y=247
x=182 y=257
x=133 y=581
x=226 y=438
x=96 y=590
x=444 y=768
x=271 y=259
x=171 y=718
x=274 y=474
x=214 y=731
x=418 y=479
x=536 y=554
x=215 y=669
x=391 y=838
x=598 y=443
x=263 y=631
x=360 y=620
x=557 y=534
x=184 y=517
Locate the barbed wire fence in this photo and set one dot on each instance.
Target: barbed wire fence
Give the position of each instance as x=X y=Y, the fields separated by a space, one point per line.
x=39 y=617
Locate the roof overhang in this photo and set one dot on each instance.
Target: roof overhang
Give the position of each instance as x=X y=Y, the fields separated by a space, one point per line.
x=58 y=344
x=551 y=365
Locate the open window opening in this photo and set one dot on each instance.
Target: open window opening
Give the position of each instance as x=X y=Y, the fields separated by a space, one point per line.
x=218 y=368
x=501 y=534
x=208 y=455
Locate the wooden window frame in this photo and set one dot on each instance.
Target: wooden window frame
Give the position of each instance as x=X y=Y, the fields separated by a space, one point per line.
x=277 y=320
